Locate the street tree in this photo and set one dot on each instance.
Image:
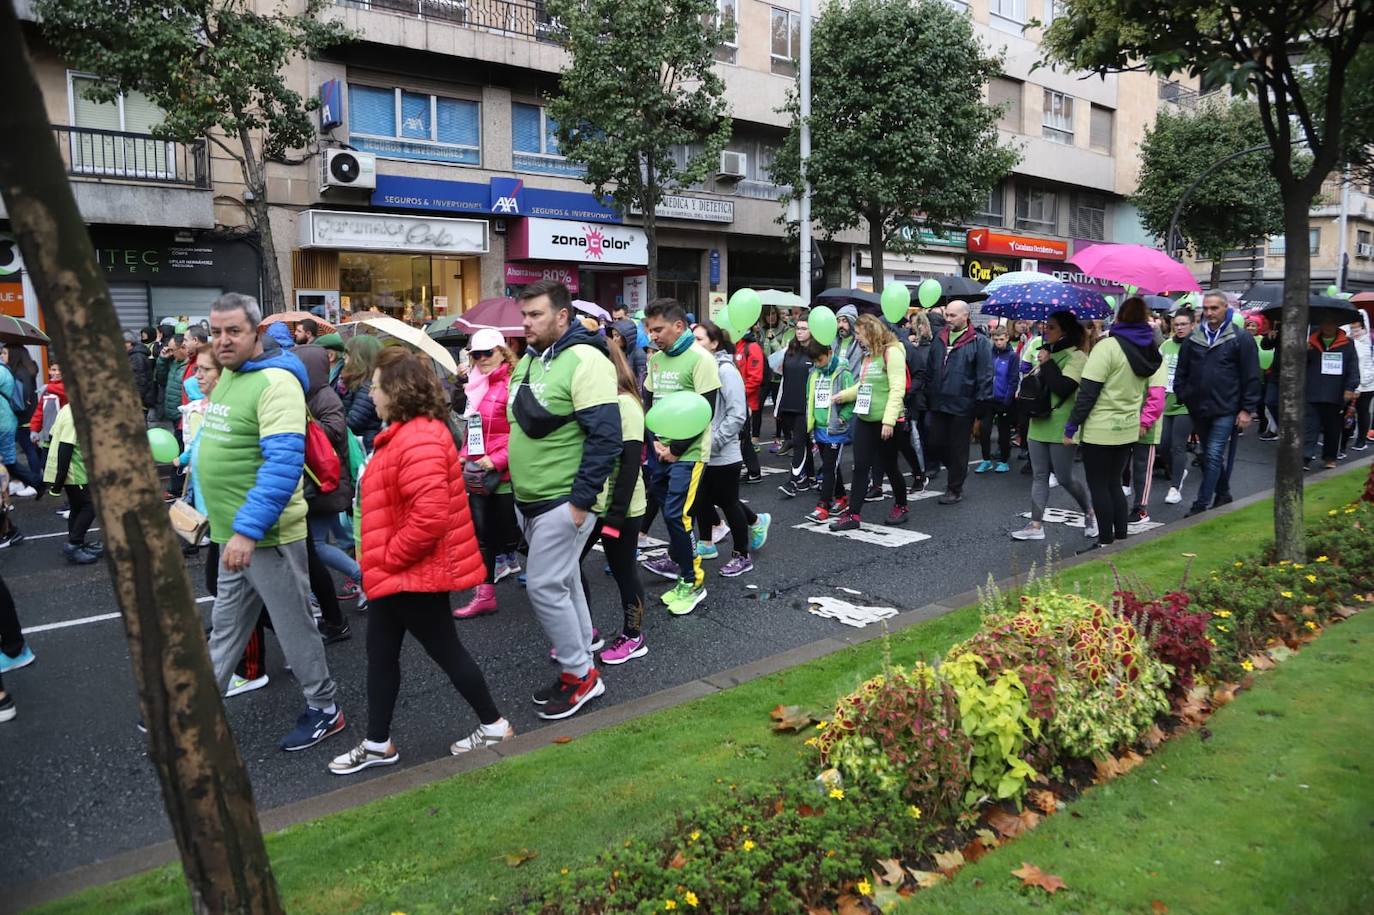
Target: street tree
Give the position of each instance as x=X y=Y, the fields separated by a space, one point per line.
x=1236 y=206
x=217 y=70
x=205 y=786
x=901 y=137
x=1300 y=61
x=640 y=106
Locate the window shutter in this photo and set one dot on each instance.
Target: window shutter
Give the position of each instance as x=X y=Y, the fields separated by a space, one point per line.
x=459 y=121
x=415 y=116
x=372 y=111
x=525 y=128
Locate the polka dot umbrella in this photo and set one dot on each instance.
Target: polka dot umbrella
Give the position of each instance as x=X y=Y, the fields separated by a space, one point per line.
x=1038 y=300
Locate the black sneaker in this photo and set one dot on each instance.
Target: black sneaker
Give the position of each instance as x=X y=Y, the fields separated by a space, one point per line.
x=846 y=523
x=573 y=693
x=332 y=633
x=806 y=484
x=7 y=709
x=918 y=483
x=874 y=494
x=751 y=478
x=542 y=696
x=1219 y=501
x=789 y=489
x=13 y=538
x=950 y=498
x=1267 y=436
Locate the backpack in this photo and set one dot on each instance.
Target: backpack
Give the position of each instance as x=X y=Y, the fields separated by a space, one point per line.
x=23 y=398
x=321 y=460
x=1034 y=396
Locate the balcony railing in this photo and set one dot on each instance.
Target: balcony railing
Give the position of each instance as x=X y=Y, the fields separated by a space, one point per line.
x=112 y=155
x=529 y=19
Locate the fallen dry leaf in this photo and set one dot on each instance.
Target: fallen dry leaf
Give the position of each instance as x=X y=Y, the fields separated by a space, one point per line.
x=886 y=898
x=1224 y=694
x=806 y=810
x=1262 y=662
x=850 y=905
x=988 y=838
x=517 y=858
x=791 y=718
x=1033 y=876
x=1158 y=907
x=926 y=879
x=562 y=740
x=1044 y=801
x=1116 y=766
x=1280 y=653
x=1153 y=737
x=1010 y=824
x=1309 y=611
x=678 y=862
x=949 y=861
x=892 y=872
x=974 y=850
x=1344 y=613
x=1283 y=619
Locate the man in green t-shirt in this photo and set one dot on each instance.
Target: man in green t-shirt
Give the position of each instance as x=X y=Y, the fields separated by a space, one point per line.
x=679 y=364
x=1177 y=424
x=249 y=463
x=564 y=440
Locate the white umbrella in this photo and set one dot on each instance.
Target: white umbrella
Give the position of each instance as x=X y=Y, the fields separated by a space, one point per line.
x=416 y=338
x=779 y=299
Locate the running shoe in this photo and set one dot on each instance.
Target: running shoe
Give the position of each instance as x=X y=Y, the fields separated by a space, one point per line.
x=1054 y=481
x=720 y=532
x=684 y=598
x=819 y=515
x=573 y=693
x=95 y=547
x=849 y=522
x=7 y=709
x=77 y=555
x=758 y=532
x=13 y=538
x=23 y=659
x=751 y=478
x=663 y=566
x=314 y=607
x=238 y=685
x=1267 y=436
x=840 y=506
x=1002 y=467
x=1174 y=496
x=361 y=757
x=1090 y=527
x=789 y=489
x=984 y=466
x=806 y=483
x=311 y=727
x=25 y=491
x=1141 y=516
x=332 y=633
x=348 y=590
x=874 y=494
x=597 y=644
x=736 y=567
x=900 y=514
x=624 y=648
x=486 y=735
x=1029 y=532
x=779 y=447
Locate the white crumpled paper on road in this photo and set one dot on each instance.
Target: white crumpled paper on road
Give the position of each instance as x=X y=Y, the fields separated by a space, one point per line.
x=847 y=613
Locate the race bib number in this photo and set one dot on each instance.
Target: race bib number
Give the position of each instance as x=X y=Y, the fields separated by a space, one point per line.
x=1332 y=364
x=1169 y=375
x=864 y=402
x=822 y=393
x=476 y=443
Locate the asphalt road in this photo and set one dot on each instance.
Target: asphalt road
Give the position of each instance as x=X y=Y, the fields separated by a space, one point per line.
x=75 y=782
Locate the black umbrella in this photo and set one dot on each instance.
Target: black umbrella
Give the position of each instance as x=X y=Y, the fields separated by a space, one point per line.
x=865 y=302
x=954 y=287
x=1320 y=308
x=1267 y=294
x=1159 y=302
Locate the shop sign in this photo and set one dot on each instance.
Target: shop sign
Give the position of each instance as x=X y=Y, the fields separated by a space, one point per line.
x=331 y=104
x=11 y=262
x=389 y=232
x=499 y=197
x=524 y=274
x=986 y=241
x=984 y=269
x=559 y=240
x=716 y=302
x=635 y=293
x=1079 y=278
x=929 y=237
x=701 y=209
x=12 y=296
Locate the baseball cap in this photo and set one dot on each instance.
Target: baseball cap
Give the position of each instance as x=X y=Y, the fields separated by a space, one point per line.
x=488 y=338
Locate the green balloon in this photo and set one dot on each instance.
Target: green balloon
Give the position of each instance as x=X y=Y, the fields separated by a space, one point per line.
x=928 y=293
x=164 y=445
x=677 y=416
x=823 y=326
x=722 y=319
x=896 y=302
x=1333 y=290
x=745 y=308
x=1266 y=359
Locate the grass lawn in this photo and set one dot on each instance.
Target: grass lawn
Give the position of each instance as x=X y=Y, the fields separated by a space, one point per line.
x=441 y=848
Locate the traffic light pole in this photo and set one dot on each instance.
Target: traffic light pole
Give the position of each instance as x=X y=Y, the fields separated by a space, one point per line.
x=804 y=238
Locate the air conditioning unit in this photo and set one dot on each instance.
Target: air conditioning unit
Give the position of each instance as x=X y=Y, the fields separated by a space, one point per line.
x=346 y=168
x=733 y=165
x=1364 y=250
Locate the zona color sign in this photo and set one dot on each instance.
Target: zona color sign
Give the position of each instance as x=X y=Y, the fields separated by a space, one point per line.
x=986 y=241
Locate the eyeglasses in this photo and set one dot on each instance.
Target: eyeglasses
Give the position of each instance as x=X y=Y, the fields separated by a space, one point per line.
x=481 y=353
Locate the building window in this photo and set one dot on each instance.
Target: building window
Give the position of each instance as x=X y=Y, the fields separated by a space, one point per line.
x=786 y=42
x=1013 y=10
x=1278 y=245
x=1007 y=93
x=994 y=209
x=1100 y=132
x=1037 y=209
x=1057 y=124
x=727 y=15
x=1053 y=10
x=1089 y=217
x=400 y=124
x=534 y=143
x=1364 y=247
x=96 y=148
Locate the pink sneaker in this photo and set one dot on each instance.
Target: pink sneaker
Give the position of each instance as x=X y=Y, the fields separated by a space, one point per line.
x=623 y=648
x=484 y=601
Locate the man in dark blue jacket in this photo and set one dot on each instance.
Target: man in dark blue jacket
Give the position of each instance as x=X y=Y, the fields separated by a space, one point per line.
x=1218 y=380
x=1333 y=379
x=960 y=379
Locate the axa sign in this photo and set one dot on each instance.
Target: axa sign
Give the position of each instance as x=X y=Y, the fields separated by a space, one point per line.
x=583 y=243
x=986 y=241
x=506 y=194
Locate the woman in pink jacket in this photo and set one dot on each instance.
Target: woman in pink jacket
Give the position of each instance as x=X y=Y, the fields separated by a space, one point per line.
x=486 y=468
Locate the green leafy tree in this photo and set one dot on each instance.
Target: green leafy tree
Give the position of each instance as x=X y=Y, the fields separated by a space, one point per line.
x=900 y=134
x=641 y=83
x=1237 y=205
x=1303 y=62
x=216 y=68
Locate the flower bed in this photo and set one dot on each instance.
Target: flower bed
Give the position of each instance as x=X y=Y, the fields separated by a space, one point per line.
x=921 y=769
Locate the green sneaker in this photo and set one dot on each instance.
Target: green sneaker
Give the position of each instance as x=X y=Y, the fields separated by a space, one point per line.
x=684 y=598
x=707 y=550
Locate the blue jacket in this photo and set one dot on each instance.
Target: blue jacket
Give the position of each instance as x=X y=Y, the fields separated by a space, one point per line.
x=1004 y=376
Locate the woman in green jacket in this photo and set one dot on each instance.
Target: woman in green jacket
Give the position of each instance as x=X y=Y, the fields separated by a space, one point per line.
x=877 y=399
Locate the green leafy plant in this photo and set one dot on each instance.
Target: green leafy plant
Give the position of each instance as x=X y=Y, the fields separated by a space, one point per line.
x=995 y=714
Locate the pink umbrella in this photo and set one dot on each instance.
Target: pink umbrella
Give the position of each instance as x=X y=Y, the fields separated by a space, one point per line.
x=1148 y=269
x=502 y=313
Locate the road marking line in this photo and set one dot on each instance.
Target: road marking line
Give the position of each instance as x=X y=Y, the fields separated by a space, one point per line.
x=891 y=537
x=45 y=627
x=46 y=536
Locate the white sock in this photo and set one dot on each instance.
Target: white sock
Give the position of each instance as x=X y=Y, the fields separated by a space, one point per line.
x=330 y=709
x=496 y=727
x=378 y=747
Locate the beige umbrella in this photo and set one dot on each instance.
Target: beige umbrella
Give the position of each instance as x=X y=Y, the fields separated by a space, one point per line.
x=296 y=317
x=416 y=338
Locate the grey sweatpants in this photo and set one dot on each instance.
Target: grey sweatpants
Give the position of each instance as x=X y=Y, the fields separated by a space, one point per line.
x=1057 y=457
x=277 y=577
x=553 y=583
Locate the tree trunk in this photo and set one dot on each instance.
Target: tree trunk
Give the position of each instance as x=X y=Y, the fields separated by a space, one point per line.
x=204 y=785
x=260 y=216
x=1216 y=273
x=876 y=250
x=1288 y=473
x=650 y=205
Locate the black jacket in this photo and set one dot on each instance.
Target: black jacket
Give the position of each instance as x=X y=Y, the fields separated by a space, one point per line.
x=1221 y=377
x=795 y=367
x=142 y=367
x=960 y=375
x=326 y=409
x=1324 y=388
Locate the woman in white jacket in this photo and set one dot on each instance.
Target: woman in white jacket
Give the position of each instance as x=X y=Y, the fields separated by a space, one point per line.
x=1364 y=348
x=720 y=479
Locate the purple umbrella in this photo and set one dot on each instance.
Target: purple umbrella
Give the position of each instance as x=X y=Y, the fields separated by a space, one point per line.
x=501 y=313
x=1037 y=301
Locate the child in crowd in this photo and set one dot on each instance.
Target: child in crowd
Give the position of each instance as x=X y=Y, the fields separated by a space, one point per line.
x=999 y=412
x=831 y=427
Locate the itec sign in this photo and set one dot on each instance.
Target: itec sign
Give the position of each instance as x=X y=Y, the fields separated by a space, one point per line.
x=986 y=241
x=580 y=243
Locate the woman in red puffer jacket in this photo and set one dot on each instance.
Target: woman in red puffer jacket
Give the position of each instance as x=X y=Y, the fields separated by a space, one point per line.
x=417 y=546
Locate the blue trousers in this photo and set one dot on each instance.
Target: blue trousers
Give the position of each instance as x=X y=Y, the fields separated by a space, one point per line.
x=675 y=487
x=1217 y=435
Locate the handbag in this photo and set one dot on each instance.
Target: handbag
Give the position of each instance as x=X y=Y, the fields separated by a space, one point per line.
x=188 y=521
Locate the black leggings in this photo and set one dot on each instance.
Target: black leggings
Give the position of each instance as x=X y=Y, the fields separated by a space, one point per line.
x=746 y=446
x=82 y=513
x=425 y=616
x=830 y=483
x=493 y=519
x=1103 y=465
x=1361 y=419
x=1328 y=421
x=803 y=468
x=872 y=450
x=1001 y=418
x=720 y=489
x=11 y=635
x=620 y=556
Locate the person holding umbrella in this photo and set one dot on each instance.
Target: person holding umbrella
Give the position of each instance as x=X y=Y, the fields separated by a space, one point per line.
x=1333 y=378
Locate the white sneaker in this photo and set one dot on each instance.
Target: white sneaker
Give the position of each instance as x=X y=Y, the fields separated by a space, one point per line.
x=1174 y=497
x=1029 y=532
x=1090 y=527
x=1054 y=481
x=238 y=685
x=1126 y=490
x=24 y=491
x=720 y=532
x=483 y=737
x=14 y=487
x=361 y=757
